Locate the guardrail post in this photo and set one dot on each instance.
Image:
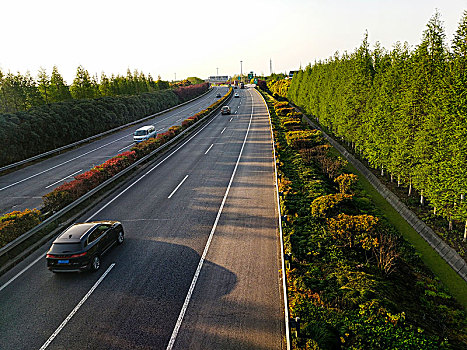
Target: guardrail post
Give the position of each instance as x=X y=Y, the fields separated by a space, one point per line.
x=295 y=324
x=287 y=258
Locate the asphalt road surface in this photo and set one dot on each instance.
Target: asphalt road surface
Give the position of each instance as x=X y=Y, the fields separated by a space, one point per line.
x=199 y=268
x=25 y=187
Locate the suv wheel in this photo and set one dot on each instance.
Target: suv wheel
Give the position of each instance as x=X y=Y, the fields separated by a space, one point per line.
x=95 y=263
x=120 y=237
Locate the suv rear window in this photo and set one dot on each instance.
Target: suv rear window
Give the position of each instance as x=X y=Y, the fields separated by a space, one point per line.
x=61 y=248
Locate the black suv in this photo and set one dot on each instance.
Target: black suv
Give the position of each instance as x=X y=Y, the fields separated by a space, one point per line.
x=81 y=246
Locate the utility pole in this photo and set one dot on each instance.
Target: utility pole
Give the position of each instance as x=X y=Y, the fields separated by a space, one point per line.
x=175 y=76
x=270 y=66
x=217 y=71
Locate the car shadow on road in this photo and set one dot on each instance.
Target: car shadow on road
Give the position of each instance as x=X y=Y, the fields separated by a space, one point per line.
x=139 y=303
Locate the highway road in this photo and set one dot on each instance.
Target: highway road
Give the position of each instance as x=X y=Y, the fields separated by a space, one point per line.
x=25 y=187
x=199 y=268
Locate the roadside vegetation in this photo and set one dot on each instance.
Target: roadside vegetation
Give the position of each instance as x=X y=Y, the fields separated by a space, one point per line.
x=404 y=112
x=353 y=281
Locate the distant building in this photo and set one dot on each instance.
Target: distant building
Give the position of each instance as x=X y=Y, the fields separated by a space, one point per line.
x=218 y=79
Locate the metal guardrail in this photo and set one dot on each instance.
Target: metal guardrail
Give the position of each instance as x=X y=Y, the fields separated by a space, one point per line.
x=13 y=244
x=284 y=280
x=45 y=154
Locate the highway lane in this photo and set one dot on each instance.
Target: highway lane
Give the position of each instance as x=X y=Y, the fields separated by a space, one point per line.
x=25 y=187
x=235 y=303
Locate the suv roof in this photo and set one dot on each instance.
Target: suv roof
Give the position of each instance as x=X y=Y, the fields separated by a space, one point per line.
x=75 y=232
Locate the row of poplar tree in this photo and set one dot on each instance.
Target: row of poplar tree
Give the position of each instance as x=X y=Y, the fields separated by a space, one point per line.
x=404 y=110
x=20 y=92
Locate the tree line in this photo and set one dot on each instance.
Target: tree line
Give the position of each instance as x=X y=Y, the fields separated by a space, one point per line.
x=21 y=92
x=403 y=109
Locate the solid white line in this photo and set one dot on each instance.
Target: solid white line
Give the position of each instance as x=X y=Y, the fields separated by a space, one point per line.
x=121 y=149
x=21 y=272
x=206 y=248
x=54 y=334
x=64 y=178
x=223 y=130
x=209 y=149
x=150 y=170
x=176 y=188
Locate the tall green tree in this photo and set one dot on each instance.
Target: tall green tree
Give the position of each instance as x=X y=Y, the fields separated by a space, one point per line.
x=104 y=86
x=59 y=91
x=43 y=84
x=82 y=86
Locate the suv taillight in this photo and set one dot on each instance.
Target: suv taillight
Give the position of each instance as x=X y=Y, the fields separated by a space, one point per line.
x=78 y=255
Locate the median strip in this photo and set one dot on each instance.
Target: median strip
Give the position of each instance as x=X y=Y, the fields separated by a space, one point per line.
x=148 y=172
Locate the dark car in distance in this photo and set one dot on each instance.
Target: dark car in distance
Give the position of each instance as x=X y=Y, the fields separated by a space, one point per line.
x=218 y=95
x=225 y=110
x=81 y=246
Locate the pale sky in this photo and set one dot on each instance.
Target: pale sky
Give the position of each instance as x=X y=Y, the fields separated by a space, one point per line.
x=193 y=38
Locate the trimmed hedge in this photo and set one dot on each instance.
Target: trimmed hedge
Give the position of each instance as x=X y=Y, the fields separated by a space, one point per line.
x=14 y=224
x=83 y=183
x=186 y=93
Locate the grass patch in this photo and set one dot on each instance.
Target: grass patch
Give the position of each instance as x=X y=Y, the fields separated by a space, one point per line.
x=453 y=282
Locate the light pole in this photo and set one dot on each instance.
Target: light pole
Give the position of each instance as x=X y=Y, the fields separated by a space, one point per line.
x=241 y=73
x=175 y=76
x=217 y=71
